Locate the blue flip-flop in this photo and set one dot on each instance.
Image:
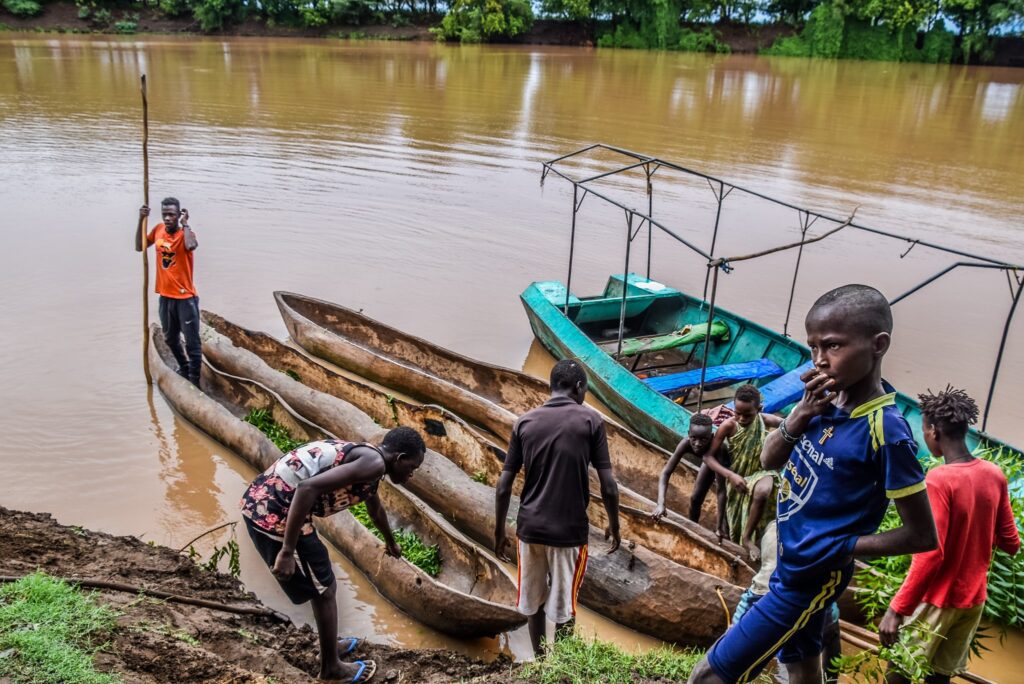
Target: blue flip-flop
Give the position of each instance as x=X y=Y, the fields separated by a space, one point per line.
x=367 y=668
x=353 y=644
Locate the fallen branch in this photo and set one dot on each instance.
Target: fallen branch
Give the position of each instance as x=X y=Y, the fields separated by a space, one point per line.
x=166 y=596
x=212 y=529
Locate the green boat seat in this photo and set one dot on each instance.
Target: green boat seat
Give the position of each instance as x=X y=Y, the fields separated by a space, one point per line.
x=714 y=375
x=782 y=391
x=690 y=334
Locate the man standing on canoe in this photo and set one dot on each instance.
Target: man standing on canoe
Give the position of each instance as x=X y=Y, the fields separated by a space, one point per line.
x=555 y=443
x=179 y=305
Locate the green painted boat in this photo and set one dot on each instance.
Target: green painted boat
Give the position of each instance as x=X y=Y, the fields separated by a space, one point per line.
x=654 y=353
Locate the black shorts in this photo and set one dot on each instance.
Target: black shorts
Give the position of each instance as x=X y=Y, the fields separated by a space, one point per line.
x=313 y=572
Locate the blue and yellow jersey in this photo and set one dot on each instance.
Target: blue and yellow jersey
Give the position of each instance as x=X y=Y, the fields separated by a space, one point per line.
x=838 y=482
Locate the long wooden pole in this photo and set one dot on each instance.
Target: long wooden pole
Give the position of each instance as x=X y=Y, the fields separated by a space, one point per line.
x=145 y=232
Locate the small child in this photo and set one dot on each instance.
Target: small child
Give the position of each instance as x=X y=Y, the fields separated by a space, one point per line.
x=846 y=451
x=735 y=456
x=945 y=589
x=321 y=479
x=697 y=442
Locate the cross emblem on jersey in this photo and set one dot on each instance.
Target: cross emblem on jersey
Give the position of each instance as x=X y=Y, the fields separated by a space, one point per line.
x=825 y=435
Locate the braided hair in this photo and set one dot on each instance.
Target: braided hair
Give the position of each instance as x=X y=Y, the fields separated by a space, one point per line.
x=951 y=410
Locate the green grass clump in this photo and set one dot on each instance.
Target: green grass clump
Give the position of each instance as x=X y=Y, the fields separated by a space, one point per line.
x=575 y=660
x=49 y=631
x=277 y=434
x=426 y=558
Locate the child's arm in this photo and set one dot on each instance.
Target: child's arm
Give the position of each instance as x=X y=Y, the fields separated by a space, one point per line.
x=726 y=430
x=666 y=472
x=380 y=518
x=771 y=420
x=365 y=469
x=917 y=534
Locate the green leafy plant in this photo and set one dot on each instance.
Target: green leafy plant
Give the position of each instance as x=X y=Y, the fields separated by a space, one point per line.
x=700 y=41
x=903 y=656
x=128 y=24
x=214 y=15
x=229 y=551
x=23 y=8
x=426 y=558
x=50 y=631
x=276 y=433
x=479 y=476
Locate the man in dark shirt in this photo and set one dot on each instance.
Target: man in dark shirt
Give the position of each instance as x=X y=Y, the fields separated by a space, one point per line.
x=555 y=443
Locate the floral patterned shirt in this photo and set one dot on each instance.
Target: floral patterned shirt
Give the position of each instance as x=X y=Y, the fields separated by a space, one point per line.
x=268 y=498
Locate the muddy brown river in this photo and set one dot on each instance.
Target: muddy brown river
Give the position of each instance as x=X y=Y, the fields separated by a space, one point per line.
x=403 y=180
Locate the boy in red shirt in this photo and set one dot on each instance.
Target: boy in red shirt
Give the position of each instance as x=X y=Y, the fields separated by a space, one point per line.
x=946 y=588
x=179 y=305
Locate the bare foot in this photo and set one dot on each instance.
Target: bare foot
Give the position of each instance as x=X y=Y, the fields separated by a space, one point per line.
x=752 y=550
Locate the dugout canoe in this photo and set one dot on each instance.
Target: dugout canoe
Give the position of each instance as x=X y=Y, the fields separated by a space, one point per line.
x=480 y=392
x=634 y=586
x=272 y=362
x=473 y=596
x=586 y=329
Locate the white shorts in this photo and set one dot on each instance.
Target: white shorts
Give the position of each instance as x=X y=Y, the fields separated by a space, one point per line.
x=550 y=576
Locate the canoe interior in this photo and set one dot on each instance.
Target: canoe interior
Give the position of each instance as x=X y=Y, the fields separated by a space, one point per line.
x=514 y=391
x=653 y=309
x=462 y=566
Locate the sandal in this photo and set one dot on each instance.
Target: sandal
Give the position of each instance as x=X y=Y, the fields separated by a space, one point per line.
x=353 y=644
x=367 y=668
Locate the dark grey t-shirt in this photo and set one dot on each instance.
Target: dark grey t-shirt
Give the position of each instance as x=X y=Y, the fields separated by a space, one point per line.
x=556 y=443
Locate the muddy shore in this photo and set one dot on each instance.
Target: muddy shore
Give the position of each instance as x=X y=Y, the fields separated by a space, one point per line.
x=158 y=641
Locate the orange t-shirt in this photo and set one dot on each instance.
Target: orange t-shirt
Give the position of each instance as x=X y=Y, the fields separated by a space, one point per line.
x=174 y=263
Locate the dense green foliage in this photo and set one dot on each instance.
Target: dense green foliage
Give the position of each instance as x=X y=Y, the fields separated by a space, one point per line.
x=49 y=631
x=277 y=434
x=479 y=21
x=1005 y=604
x=22 y=8
x=426 y=558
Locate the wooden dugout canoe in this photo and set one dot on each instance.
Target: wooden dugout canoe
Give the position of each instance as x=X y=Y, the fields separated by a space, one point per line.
x=482 y=393
x=635 y=586
x=473 y=596
x=445 y=433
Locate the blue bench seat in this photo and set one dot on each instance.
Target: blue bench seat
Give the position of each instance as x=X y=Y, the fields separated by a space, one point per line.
x=715 y=375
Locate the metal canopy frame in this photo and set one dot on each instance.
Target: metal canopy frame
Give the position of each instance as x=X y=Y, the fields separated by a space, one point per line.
x=636 y=220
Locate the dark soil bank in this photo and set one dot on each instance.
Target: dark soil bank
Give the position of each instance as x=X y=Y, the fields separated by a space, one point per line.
x=159 y=641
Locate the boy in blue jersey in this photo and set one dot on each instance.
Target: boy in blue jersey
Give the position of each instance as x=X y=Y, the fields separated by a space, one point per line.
x=845 y=451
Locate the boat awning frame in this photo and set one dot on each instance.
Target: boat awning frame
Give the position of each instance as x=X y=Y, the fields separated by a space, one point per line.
x=636 y=220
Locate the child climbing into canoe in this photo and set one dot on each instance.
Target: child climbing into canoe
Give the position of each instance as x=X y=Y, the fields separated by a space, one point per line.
x=696 y=443
x=320 y=479
x=945 y=590
x=735 y=457
x=845 y=451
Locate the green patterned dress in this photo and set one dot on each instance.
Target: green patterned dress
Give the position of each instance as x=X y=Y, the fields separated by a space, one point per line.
x=745 y=449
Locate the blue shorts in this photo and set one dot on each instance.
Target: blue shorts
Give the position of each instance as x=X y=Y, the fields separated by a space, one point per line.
x=788 y=620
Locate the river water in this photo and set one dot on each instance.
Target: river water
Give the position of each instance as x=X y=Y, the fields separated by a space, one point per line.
x=403 y=179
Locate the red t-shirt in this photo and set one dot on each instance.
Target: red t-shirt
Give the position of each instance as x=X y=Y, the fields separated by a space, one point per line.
x=972 y=512
x=174 y=263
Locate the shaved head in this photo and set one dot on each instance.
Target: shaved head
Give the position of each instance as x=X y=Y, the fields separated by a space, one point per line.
x=860 y=308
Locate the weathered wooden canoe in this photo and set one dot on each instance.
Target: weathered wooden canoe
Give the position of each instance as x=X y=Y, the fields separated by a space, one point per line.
x=445 y=433
x=588 y=331
x=480 y=392
x=473 y=596
x=635 y=586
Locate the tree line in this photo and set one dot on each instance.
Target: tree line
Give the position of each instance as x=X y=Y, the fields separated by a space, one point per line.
x=939 y=31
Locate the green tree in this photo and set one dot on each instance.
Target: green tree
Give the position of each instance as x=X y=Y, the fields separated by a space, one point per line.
x=477 y=21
